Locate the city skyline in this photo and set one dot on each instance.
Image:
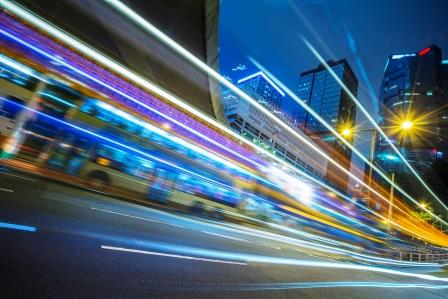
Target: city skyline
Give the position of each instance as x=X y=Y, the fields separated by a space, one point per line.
x=343 y=33
x=356 y=36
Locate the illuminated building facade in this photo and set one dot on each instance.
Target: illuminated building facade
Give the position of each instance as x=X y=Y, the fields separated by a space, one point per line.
x=254 y=125
x=261 y=88
x=415 y=88
x=320 y=90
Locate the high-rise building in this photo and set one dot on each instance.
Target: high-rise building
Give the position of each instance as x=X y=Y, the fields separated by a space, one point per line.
x=263 y=90
x=320 y=90
x=257 y=127
x=414 y=88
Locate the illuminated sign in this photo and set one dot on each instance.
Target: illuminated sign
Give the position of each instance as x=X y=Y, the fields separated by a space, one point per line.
x=398 y=56
x=424 y=51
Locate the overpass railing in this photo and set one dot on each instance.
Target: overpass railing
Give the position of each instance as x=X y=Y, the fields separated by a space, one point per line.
x=423 y=257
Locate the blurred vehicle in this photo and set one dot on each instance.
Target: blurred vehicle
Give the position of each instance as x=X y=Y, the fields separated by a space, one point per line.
x=61 y=124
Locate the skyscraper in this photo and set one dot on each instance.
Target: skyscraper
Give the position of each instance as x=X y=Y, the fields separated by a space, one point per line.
x=257 y=127
x=320 y=90
x=263 y=90
x=414 y=88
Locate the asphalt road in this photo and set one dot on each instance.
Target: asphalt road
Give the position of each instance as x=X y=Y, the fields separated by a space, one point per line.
x=61 y=242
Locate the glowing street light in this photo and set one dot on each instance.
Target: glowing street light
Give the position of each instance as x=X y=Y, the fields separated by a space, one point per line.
x=423 y=205
x=406 y=125
x=346 y=132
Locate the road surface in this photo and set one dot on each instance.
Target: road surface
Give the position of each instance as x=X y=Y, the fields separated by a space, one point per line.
x=57 y=241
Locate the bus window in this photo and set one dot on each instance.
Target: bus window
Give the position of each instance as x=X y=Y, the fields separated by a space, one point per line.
x=89 y=107
x=185 y=183
x=106 y=155
x=106 y=116
x=70 y=154
x=145 y=133
x=114 y=158
x=131 y=127
x=138 y=167
x=161 y=184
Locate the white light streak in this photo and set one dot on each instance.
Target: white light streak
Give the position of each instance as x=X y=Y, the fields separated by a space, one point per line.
x=377 y=127
x=344 y=140
x=141 y=81
x=126 y=215
x=20 y=67
x=18 y=176
x=226 y=237
x=185 y=257
x=204 y=67
x=260 y=73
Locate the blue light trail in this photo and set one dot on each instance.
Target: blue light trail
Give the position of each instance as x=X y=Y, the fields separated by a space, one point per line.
x=18 y=227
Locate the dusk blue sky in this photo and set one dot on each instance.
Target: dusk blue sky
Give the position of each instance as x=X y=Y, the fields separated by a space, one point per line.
x=365 y=32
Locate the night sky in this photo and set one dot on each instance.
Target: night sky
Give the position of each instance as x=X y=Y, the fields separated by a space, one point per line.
x=364 y=32
x=367 y=31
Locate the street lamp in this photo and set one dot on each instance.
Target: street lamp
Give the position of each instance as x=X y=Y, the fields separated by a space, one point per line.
x=391 y=203
x=346 y=132
x=406 y=125
x=423 y=205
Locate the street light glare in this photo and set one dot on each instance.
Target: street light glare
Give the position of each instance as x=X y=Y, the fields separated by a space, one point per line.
x=346 y=132
x=423 y=205
x=406 y=125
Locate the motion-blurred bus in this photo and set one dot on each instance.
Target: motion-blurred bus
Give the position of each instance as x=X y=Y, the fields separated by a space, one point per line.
x=65 y=126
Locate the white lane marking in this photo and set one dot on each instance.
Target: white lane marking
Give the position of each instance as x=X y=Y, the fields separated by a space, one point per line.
x=127 y=215
x=96 y=191
x=17 y=176
x=6 y=190
x=268 y=245
x=186 y=257
x=242 y=240
x=136 y=217
x=227 y=237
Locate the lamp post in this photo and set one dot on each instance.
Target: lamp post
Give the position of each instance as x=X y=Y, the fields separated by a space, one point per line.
x=405 y=125
x=371 y=158
x=391 y=204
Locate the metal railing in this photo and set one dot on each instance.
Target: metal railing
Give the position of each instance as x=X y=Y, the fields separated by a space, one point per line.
x=423 y=257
